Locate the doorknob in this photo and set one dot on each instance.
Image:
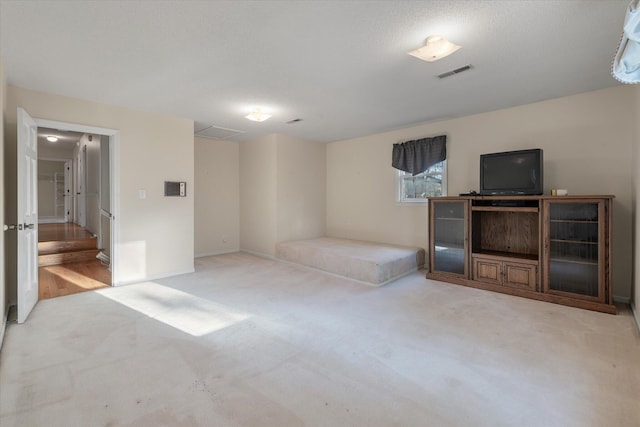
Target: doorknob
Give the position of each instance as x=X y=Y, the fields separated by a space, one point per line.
x=29 y=226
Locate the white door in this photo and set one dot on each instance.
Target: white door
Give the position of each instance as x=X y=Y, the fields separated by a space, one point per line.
x=67 y=191
x=27 y=214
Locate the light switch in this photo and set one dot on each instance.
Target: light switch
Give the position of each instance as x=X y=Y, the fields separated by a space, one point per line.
x=142 y=194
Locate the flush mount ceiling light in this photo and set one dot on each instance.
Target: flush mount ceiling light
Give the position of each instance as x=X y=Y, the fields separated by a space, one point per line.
x=435 y=47
x=52 y=138
x=257 y=115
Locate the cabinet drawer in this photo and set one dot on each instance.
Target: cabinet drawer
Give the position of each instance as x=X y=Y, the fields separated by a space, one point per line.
x=520 y=275
x=487 y=270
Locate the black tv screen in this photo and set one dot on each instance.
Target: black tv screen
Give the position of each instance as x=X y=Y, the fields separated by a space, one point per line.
x=511 y=173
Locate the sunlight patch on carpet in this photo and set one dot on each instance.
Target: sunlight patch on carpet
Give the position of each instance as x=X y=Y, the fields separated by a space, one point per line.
x=188 y=313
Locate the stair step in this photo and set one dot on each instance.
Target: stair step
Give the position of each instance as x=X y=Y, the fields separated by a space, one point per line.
x=64 y=257
x=58 y=246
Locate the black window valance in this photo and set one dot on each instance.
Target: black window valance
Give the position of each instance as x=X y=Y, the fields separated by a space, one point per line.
x=419 y=155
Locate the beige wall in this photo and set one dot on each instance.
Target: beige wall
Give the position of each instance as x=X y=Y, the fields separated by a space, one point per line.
x=301 y=189
x=217 y=196
x=258 y=195
x=282 y=191
x=3 y=291
x=587 y=143
x=156 y=233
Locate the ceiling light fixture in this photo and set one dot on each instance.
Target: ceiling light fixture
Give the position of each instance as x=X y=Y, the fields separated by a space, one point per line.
x=435 y=47
x=257 y=115
x=52 y=138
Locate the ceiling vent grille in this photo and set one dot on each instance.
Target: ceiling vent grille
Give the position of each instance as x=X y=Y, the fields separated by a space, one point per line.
x=214 y=132
x=456 y=71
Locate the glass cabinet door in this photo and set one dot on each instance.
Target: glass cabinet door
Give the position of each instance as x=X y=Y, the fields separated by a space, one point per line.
x=574 y=255
x=448 y=237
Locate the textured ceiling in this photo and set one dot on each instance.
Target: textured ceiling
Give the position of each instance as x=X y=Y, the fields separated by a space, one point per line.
x=341 y=66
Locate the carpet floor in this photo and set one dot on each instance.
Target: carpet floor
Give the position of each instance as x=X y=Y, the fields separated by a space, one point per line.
x=246 y=341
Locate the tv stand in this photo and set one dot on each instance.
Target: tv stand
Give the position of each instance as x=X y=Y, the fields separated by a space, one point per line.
x=554 y=249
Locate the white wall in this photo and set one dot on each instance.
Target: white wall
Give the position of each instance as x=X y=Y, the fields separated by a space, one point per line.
x=301 y=189
x=282 y=191
x=635 y=292
x=156 y=233
x=587 y=141
x=47 y=169
x=217 y=196
x=258 y=195
x=3 y=289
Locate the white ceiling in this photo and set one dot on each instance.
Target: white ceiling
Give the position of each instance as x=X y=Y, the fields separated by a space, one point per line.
x=341 y=66
x=67 y=140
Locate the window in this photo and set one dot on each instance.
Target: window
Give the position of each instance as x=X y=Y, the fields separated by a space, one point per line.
x=430 y=183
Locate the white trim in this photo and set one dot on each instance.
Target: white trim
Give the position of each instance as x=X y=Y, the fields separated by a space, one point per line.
x=636 y=316
x=53 y=159
x=231 y=251
x=114 y=165
x=155 y=277
x=259 y=254
x=5 y=321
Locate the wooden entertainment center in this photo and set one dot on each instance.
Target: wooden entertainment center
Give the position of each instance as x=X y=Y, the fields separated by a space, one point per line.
x=549 y=248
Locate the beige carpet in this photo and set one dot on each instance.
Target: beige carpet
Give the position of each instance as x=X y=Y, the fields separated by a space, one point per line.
x=247 y=341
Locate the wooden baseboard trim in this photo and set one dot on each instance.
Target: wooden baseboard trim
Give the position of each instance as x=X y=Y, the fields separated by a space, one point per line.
x=556 y=299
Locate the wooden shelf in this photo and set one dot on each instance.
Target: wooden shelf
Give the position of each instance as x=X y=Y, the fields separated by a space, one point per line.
x=574 y=260
x=573 y=242
x=506 y=255
x=505 y=209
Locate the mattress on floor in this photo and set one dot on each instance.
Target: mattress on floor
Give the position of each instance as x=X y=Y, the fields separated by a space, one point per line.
x=369 y=262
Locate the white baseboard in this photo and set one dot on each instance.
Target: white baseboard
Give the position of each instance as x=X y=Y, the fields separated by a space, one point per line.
x=260 y=254
x=155 y=277
x=230 y=251
x=636 y=315
x=3 y=328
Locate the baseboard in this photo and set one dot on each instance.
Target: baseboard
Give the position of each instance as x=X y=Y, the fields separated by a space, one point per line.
x=260 y=254
x=636 y=316
x=231 y=251
x=155 y=277
x=622 y=300
x=5 y=320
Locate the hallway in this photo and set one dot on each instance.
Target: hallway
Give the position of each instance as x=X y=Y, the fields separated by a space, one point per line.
x=67 y=261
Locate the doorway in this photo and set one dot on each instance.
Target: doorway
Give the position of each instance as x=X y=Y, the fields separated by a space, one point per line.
x=74 y=242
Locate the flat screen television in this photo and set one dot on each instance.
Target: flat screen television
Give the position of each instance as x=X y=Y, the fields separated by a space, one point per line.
x=511 y=173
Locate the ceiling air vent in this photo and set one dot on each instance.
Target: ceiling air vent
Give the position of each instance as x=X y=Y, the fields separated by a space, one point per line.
x=214 y=132
x=456 y=71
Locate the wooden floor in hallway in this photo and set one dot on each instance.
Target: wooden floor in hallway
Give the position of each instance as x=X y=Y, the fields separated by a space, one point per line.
x=67 y=262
